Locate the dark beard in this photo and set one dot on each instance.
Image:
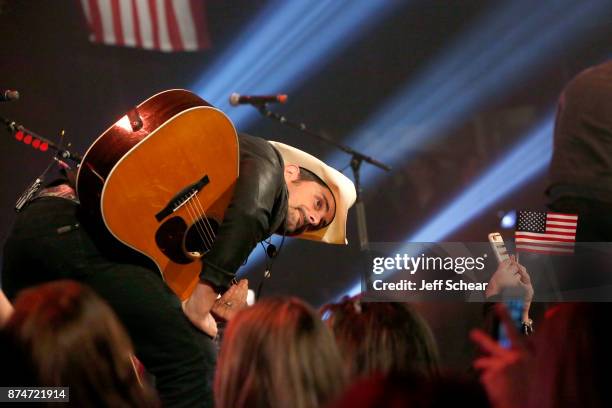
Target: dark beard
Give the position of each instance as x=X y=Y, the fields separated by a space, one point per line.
x=298 y=230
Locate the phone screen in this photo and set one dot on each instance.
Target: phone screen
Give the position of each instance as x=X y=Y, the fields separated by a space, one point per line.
x=515 y=309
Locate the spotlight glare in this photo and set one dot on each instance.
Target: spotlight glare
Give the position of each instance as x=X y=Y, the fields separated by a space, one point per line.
x=284 y=45
x=508 y=221
x=528 y=159
x=471 y=72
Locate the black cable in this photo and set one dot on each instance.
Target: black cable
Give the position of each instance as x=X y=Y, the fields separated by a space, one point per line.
x=270 y=260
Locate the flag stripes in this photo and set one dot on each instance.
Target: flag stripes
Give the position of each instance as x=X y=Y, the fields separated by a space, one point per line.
x=545 y=232
x=163 y=25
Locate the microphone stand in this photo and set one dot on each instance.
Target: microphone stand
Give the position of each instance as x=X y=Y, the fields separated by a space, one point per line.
x=61 y=154
x=357 y=158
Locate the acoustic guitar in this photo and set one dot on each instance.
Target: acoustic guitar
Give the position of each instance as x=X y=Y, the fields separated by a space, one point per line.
x=161 y=178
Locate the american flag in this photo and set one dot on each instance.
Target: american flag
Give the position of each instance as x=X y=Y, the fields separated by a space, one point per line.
x=162 y=25
x=545 y=232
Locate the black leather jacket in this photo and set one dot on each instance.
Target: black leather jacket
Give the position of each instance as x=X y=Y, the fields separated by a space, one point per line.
x=257 y=210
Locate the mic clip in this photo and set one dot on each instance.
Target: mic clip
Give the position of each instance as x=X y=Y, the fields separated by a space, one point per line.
x=271 y=251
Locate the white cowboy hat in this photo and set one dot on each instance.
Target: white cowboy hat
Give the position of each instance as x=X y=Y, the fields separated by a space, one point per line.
x=341 y=187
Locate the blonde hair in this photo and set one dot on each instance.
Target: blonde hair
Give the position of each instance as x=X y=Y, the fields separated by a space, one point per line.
x=277 y=353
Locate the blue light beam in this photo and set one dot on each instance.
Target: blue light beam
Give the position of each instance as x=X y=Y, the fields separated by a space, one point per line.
x=491 y=60
x=287 y=42
x=523 y=163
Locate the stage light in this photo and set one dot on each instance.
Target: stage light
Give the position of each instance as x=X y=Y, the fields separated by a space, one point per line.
x=505 y=47
x=508 y=220
x=285 y=44
x=523 y=162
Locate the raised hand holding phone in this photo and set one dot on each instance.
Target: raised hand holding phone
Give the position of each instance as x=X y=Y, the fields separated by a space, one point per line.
x=509 y=273
x=512 y=283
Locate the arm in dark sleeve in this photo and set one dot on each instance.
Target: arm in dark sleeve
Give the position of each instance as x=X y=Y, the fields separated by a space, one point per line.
x=246 y=222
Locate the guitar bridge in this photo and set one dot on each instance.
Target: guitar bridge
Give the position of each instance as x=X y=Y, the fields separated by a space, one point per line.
x=182 y=198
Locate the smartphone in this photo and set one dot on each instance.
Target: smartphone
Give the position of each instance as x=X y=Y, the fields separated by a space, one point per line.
x=515 y=309
x=499 y=248
x=513 y=304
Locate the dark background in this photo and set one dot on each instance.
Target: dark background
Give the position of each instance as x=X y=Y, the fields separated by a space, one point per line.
x=68 y=83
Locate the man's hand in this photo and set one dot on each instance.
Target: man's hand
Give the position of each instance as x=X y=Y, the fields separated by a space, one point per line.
x=197 y=308
x=232 y=301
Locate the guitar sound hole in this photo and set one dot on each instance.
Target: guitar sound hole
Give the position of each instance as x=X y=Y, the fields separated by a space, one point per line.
x=200 y=236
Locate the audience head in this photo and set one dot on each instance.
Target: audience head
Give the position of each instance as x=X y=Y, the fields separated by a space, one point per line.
x=277 y=353
x=62 y=334
x=381 y=337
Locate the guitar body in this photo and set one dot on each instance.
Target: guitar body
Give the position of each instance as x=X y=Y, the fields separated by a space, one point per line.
x=161 y=178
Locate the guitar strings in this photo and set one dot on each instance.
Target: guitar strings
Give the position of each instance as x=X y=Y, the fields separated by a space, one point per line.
x=202 y=234
x=193 y=213
x=204 y=226
x=200 y=211
x=206 y=223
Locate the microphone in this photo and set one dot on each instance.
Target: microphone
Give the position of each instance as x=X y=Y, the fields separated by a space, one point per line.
x=272 y=251
x=7 y=95
x=236 y=99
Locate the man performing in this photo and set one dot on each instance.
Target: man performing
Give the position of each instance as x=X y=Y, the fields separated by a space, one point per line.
x=279 y=190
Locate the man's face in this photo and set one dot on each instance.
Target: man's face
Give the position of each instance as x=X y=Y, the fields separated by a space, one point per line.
x=311 y=205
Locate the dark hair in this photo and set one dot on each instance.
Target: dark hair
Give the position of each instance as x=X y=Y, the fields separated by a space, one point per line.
x=307 y=175
x=277 y=353
x=381 y=337
x=62 y=334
